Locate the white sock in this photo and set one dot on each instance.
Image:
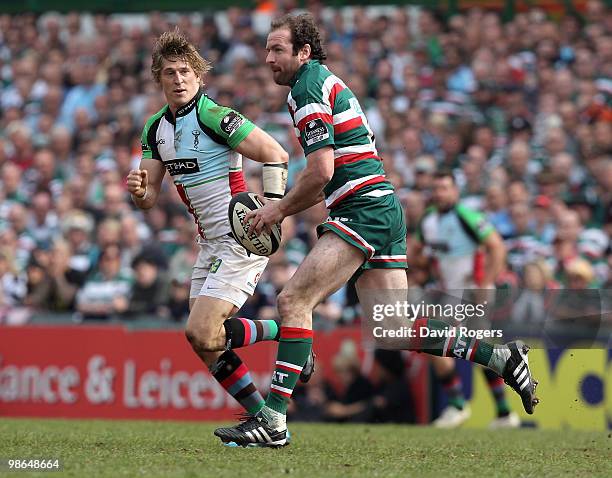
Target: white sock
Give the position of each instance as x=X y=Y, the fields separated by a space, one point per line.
x=275 y=419
x=501 y=354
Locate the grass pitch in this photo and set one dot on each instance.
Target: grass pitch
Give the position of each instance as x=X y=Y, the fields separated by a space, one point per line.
x=90 y=448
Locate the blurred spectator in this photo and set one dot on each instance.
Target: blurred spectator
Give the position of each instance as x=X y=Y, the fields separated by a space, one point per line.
x=392 y=401
x=43 y=221
x=309 y=400
x=65 y=281
x=12 y=183
x=578 y=274
x=39 y=282
x=106 y=293
x=85 y=90
x=351 y=403
x=520 y=110
x=13 y=286
x=77 y=227
x=543 y=226
x=523 y=246
x=497 y=212
x=530 y=306
x=149 y=294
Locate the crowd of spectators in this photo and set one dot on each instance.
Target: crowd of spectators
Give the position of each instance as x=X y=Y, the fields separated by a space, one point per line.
x=520 y=111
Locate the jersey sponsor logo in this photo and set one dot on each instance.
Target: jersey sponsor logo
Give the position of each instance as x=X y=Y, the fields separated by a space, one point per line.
x=255 y=281
x=196 y=138
x=231 y=122
x=440 y=246
x=145 y=147
x=482 y=225
x=315 y=131
x=185 y=109
x=160 y=141
x=182 y=166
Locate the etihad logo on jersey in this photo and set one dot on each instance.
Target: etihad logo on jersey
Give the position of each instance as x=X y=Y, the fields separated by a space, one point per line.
x=182 y=166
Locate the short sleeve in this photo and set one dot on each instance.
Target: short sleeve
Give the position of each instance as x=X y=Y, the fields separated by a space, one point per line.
x=476 y=222
x=229 y=126
x=147 y=140
x=314 y=123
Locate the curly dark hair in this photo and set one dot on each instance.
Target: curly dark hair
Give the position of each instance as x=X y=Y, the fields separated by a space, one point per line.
x=304 y=31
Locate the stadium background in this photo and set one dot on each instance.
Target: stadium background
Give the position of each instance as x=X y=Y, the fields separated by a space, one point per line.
x=76 y=90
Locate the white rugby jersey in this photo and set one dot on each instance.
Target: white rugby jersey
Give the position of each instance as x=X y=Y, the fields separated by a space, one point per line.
x=196 y=148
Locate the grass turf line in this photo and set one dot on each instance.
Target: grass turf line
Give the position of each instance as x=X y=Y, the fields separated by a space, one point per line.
x=178 y=449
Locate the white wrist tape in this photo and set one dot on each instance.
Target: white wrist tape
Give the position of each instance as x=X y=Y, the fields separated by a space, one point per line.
x=274 y=178
x=144 y=196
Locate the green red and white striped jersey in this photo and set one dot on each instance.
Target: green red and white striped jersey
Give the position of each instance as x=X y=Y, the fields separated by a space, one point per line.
x=325 y=112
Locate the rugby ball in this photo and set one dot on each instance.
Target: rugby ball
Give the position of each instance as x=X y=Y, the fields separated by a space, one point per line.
x=263 y=244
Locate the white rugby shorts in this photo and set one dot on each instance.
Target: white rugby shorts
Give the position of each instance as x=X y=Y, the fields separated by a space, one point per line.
x=224 y=270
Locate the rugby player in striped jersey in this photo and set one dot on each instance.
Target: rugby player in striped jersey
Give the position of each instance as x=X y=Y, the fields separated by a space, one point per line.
x=201 y=145
x=364 y=236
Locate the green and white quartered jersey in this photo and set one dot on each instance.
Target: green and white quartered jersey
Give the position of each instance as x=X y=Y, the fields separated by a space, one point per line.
x=196 y=149
x=325 y=112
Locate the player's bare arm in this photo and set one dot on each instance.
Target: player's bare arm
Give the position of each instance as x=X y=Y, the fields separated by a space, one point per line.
x=496 y=257
x=307 y=192
x=145 y=183
x=261 y=147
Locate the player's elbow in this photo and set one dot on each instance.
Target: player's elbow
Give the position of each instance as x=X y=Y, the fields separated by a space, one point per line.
x=325 y=175
x=321 y=165
x=325 y=179
x=319 y=179
x=283 y=156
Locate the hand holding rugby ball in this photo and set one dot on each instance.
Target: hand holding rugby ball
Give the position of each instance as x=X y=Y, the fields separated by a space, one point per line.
x=263 y=244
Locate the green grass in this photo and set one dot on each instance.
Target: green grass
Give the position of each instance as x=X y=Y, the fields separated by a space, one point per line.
x=172 y=449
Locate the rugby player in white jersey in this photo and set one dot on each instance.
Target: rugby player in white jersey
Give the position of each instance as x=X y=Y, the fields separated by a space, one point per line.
x=201 y=144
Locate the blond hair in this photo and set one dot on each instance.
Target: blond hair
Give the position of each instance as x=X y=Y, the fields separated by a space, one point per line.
x=173 y=46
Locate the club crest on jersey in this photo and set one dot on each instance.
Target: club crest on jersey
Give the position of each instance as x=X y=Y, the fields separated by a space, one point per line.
x=215 y=266
x=231 y=122
x=196 y=138
x=315 y=131
x=182 y=166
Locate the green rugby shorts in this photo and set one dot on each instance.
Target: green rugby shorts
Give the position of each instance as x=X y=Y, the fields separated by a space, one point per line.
x=375 y=226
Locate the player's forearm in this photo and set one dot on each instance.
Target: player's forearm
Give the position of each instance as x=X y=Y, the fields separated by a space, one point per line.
x=147 y=201
x=274 y=154
x=307 y=192
x=496 y=259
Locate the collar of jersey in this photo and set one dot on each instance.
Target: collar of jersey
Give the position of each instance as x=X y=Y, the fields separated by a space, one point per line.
x=302 y=69
x=453 y=208
x=185 y=109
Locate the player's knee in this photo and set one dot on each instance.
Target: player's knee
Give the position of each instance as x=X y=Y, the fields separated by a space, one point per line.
x=203 y=339
x=290 y=304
